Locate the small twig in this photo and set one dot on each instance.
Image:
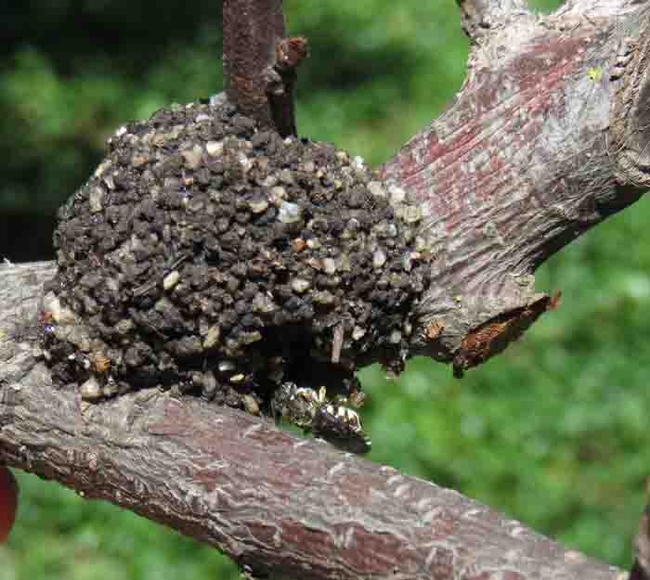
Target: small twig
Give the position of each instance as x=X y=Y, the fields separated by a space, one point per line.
x=337 y=343
x=260 y=62
x=289 y=53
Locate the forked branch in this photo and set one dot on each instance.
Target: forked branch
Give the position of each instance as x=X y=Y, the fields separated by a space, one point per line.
x=547 y=138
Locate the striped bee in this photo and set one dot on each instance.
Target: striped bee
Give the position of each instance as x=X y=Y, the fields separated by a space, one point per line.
x=332 y=420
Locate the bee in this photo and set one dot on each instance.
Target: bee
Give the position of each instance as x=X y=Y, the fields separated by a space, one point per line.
x=332 y=420
x=296 y=405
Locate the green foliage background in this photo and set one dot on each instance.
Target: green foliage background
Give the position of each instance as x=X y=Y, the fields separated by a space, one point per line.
x=554 y=432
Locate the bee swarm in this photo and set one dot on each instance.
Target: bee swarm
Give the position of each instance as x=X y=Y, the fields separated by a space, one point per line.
x=216 y=259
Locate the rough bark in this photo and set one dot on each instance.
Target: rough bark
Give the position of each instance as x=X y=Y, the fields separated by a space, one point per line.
x=479 y=16
x=277 y=504
x=546 y=139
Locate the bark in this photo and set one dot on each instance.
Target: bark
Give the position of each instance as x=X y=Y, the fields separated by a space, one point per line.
x=277 y=504
x=547 y=138
x=479 y=16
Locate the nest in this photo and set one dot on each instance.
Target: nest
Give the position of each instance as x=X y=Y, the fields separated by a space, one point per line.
x=215 y=258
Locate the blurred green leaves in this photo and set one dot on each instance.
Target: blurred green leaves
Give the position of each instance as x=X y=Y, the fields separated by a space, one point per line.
x=61 y=536
x=76 y=70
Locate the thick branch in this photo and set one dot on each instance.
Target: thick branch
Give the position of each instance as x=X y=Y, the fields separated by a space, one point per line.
x=275 y=503
x=546 y=139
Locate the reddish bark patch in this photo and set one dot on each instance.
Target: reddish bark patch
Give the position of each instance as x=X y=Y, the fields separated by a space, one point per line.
x=465 y=159
x=290 y=51
x=442 y=564
x=493 y=336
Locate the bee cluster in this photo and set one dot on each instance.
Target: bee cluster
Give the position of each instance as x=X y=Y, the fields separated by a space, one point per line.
x=212 y=257
x=332 y=420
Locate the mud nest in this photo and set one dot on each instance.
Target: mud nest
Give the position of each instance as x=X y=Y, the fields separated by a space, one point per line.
x=218 y=259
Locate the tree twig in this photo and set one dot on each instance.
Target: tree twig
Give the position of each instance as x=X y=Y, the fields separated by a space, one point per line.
x=260 y=62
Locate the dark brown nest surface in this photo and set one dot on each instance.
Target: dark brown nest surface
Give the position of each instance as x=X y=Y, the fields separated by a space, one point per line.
x=218 y=259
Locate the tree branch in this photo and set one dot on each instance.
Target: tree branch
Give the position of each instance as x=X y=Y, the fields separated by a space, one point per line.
x=275 y=503
x=547 y=138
